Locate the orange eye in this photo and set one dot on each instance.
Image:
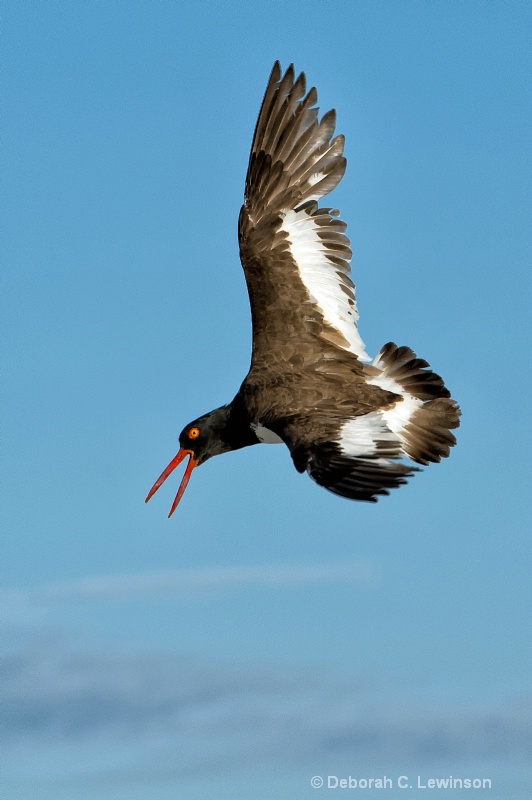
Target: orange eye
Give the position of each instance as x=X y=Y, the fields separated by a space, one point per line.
x=193 y=433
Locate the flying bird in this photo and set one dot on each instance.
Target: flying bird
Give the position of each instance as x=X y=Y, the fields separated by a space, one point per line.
x=354 y=424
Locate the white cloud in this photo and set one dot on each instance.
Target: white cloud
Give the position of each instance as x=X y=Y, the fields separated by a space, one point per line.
x=53 y=693
x=186 y=582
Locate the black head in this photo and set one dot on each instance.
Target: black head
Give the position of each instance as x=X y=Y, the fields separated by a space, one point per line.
x=201 y=439
x=206 y=436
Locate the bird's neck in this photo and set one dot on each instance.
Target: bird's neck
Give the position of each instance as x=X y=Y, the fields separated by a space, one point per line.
x=233 y=426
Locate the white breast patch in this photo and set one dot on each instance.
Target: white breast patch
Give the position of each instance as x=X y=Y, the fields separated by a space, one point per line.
x=265 y=435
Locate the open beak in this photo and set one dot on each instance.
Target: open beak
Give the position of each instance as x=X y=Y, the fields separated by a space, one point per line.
x=184 y=481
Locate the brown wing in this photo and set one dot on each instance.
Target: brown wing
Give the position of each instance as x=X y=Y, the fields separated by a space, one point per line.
x=356 y=457
x=361 y=453
x=296 y=255
x=356 y=478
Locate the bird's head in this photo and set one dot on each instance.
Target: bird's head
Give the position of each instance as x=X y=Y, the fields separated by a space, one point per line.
x=200 y=440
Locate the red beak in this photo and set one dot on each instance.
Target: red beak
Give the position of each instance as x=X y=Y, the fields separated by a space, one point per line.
x=184 y=481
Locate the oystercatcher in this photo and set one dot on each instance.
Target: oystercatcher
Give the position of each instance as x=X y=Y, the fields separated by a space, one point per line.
x=348 y=423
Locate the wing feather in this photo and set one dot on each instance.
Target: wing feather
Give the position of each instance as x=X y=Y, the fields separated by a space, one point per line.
x=295 y=254
x=362 y=460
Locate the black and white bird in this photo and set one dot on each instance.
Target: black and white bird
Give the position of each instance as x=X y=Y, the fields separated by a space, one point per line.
x=354 y=424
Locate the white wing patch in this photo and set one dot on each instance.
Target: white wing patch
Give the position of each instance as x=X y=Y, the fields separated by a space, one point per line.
x=399 y=415
x=368 y=435
x=320 y=276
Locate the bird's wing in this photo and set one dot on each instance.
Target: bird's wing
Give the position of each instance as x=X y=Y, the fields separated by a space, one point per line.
x=361 y=453
x=361 y=459
x=295 y=254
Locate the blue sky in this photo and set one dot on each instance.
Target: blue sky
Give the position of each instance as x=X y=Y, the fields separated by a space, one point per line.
x=269 y=631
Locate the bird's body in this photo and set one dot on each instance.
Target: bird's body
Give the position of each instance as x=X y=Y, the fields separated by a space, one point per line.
x=348 y=423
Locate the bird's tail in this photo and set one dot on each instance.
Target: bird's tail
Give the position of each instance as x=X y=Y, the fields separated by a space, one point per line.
x=425 y=416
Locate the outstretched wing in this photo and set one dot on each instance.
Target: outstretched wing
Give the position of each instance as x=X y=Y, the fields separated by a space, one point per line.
x=357 y=478
x=359 y=457
x=295 y=254
x=364 y=455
